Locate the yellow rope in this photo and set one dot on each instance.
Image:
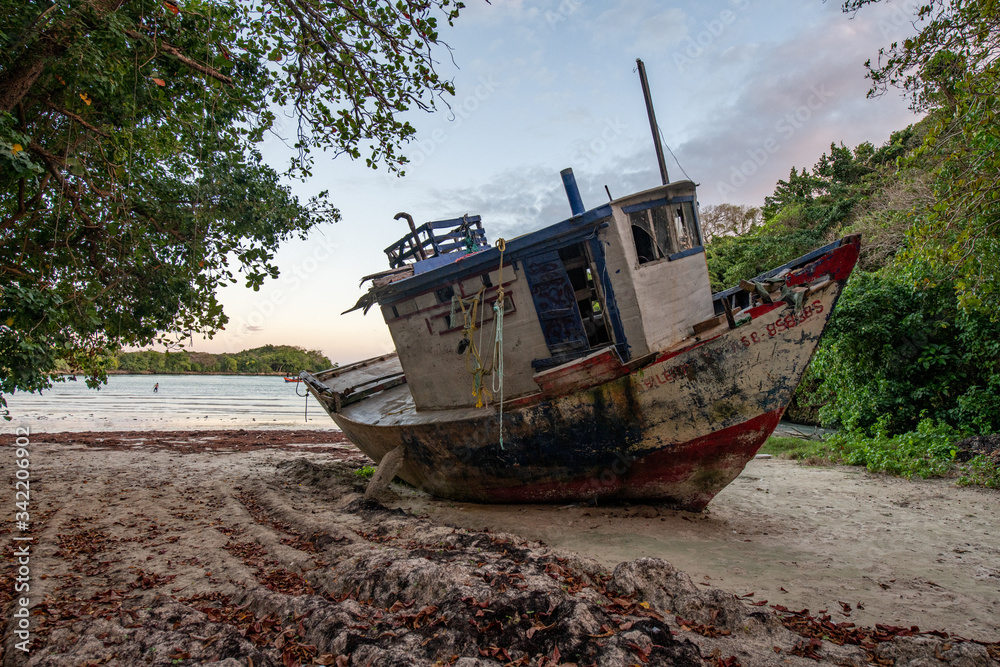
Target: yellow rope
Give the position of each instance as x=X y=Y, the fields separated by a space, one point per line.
x=498 y=309
x=501 y=246
x=473 y=359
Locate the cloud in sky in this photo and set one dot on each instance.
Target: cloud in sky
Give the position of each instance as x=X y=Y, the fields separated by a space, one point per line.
x=646 y=26
x=804 y=94
x=793 y=97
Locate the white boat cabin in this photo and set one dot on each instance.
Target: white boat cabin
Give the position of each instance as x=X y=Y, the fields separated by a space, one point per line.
x=629 y=276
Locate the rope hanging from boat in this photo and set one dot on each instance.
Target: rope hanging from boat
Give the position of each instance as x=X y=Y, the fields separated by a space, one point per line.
x=468 y=345
x=473 y=360
x=498 y=308
x=307 y=399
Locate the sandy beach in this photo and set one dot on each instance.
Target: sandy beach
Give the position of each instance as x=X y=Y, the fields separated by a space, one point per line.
x=257 y=548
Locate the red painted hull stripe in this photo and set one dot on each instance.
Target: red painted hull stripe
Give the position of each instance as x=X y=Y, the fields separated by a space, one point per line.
x=728 y=449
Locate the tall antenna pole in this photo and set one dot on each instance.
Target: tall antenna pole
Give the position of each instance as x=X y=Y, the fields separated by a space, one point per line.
x=652 y=122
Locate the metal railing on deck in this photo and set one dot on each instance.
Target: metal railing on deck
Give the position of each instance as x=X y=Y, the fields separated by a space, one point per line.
x=465 y=234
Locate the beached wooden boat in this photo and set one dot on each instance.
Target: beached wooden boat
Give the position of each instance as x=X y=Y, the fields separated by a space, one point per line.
x=588 y=360
x=622 y=375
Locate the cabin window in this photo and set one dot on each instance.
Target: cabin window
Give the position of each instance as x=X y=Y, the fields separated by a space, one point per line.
x=659 y=232
x=642 y=234
x=686 y=225
x=652 y=234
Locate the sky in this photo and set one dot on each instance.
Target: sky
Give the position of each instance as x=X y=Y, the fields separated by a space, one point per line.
x=744 y=90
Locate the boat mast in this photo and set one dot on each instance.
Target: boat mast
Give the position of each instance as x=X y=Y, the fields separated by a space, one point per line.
x=652 y=122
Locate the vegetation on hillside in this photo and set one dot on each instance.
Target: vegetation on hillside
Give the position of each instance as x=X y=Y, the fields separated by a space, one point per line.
x=910 y=363
x=283 y=359
x=808 y=210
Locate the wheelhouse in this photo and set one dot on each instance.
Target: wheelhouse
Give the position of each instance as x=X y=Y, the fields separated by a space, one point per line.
x=619 y=282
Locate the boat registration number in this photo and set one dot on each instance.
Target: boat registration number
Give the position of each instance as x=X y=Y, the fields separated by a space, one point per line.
x=781 y=325
x=664 y=375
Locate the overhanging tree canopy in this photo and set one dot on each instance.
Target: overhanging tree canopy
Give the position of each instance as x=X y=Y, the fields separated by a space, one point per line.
x=951 y=69
x=129 y=173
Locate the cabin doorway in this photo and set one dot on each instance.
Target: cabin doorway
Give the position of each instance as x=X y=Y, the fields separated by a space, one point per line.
x=569 y=304
x=581 y=273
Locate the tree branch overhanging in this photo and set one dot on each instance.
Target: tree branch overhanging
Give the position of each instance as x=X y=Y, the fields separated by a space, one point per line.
x=181 y=57
x=77 y=118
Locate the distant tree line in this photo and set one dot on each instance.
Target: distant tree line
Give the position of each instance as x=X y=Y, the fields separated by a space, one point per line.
x=284 y=359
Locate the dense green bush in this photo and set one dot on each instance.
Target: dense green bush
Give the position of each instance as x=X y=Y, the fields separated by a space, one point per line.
x=900 y=349
x=981 y=471
x=927 y=451
x=911 y=359
x=903 y=344
x=810 y=209
x=910 y=363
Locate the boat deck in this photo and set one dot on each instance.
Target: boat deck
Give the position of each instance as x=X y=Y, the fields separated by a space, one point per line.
x=388 y=400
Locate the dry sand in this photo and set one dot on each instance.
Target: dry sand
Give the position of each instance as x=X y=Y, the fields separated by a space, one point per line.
x=911 y=552
x=257 y=549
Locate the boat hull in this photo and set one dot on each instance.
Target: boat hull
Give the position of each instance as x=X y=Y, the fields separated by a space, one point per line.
x=675 y=429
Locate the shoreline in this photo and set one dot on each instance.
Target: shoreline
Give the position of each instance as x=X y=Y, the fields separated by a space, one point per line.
x=127 y=402
x=193 y=545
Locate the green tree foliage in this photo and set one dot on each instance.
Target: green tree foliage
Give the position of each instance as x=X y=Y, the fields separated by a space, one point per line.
x=805 y=211
x=899 y=349
x=951 y=69
x=728 y=220
x=911 y=339
x=267 y=359
x=910 y=361
x=131 y=186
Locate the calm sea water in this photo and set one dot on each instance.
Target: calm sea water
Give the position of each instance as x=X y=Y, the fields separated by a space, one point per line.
x=128 y=402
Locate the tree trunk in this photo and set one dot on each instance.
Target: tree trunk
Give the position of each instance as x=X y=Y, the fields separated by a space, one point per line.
x=51 y=44
x=18 y=80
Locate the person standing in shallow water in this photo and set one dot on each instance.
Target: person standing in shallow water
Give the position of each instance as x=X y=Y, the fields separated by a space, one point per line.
x=156 y=387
